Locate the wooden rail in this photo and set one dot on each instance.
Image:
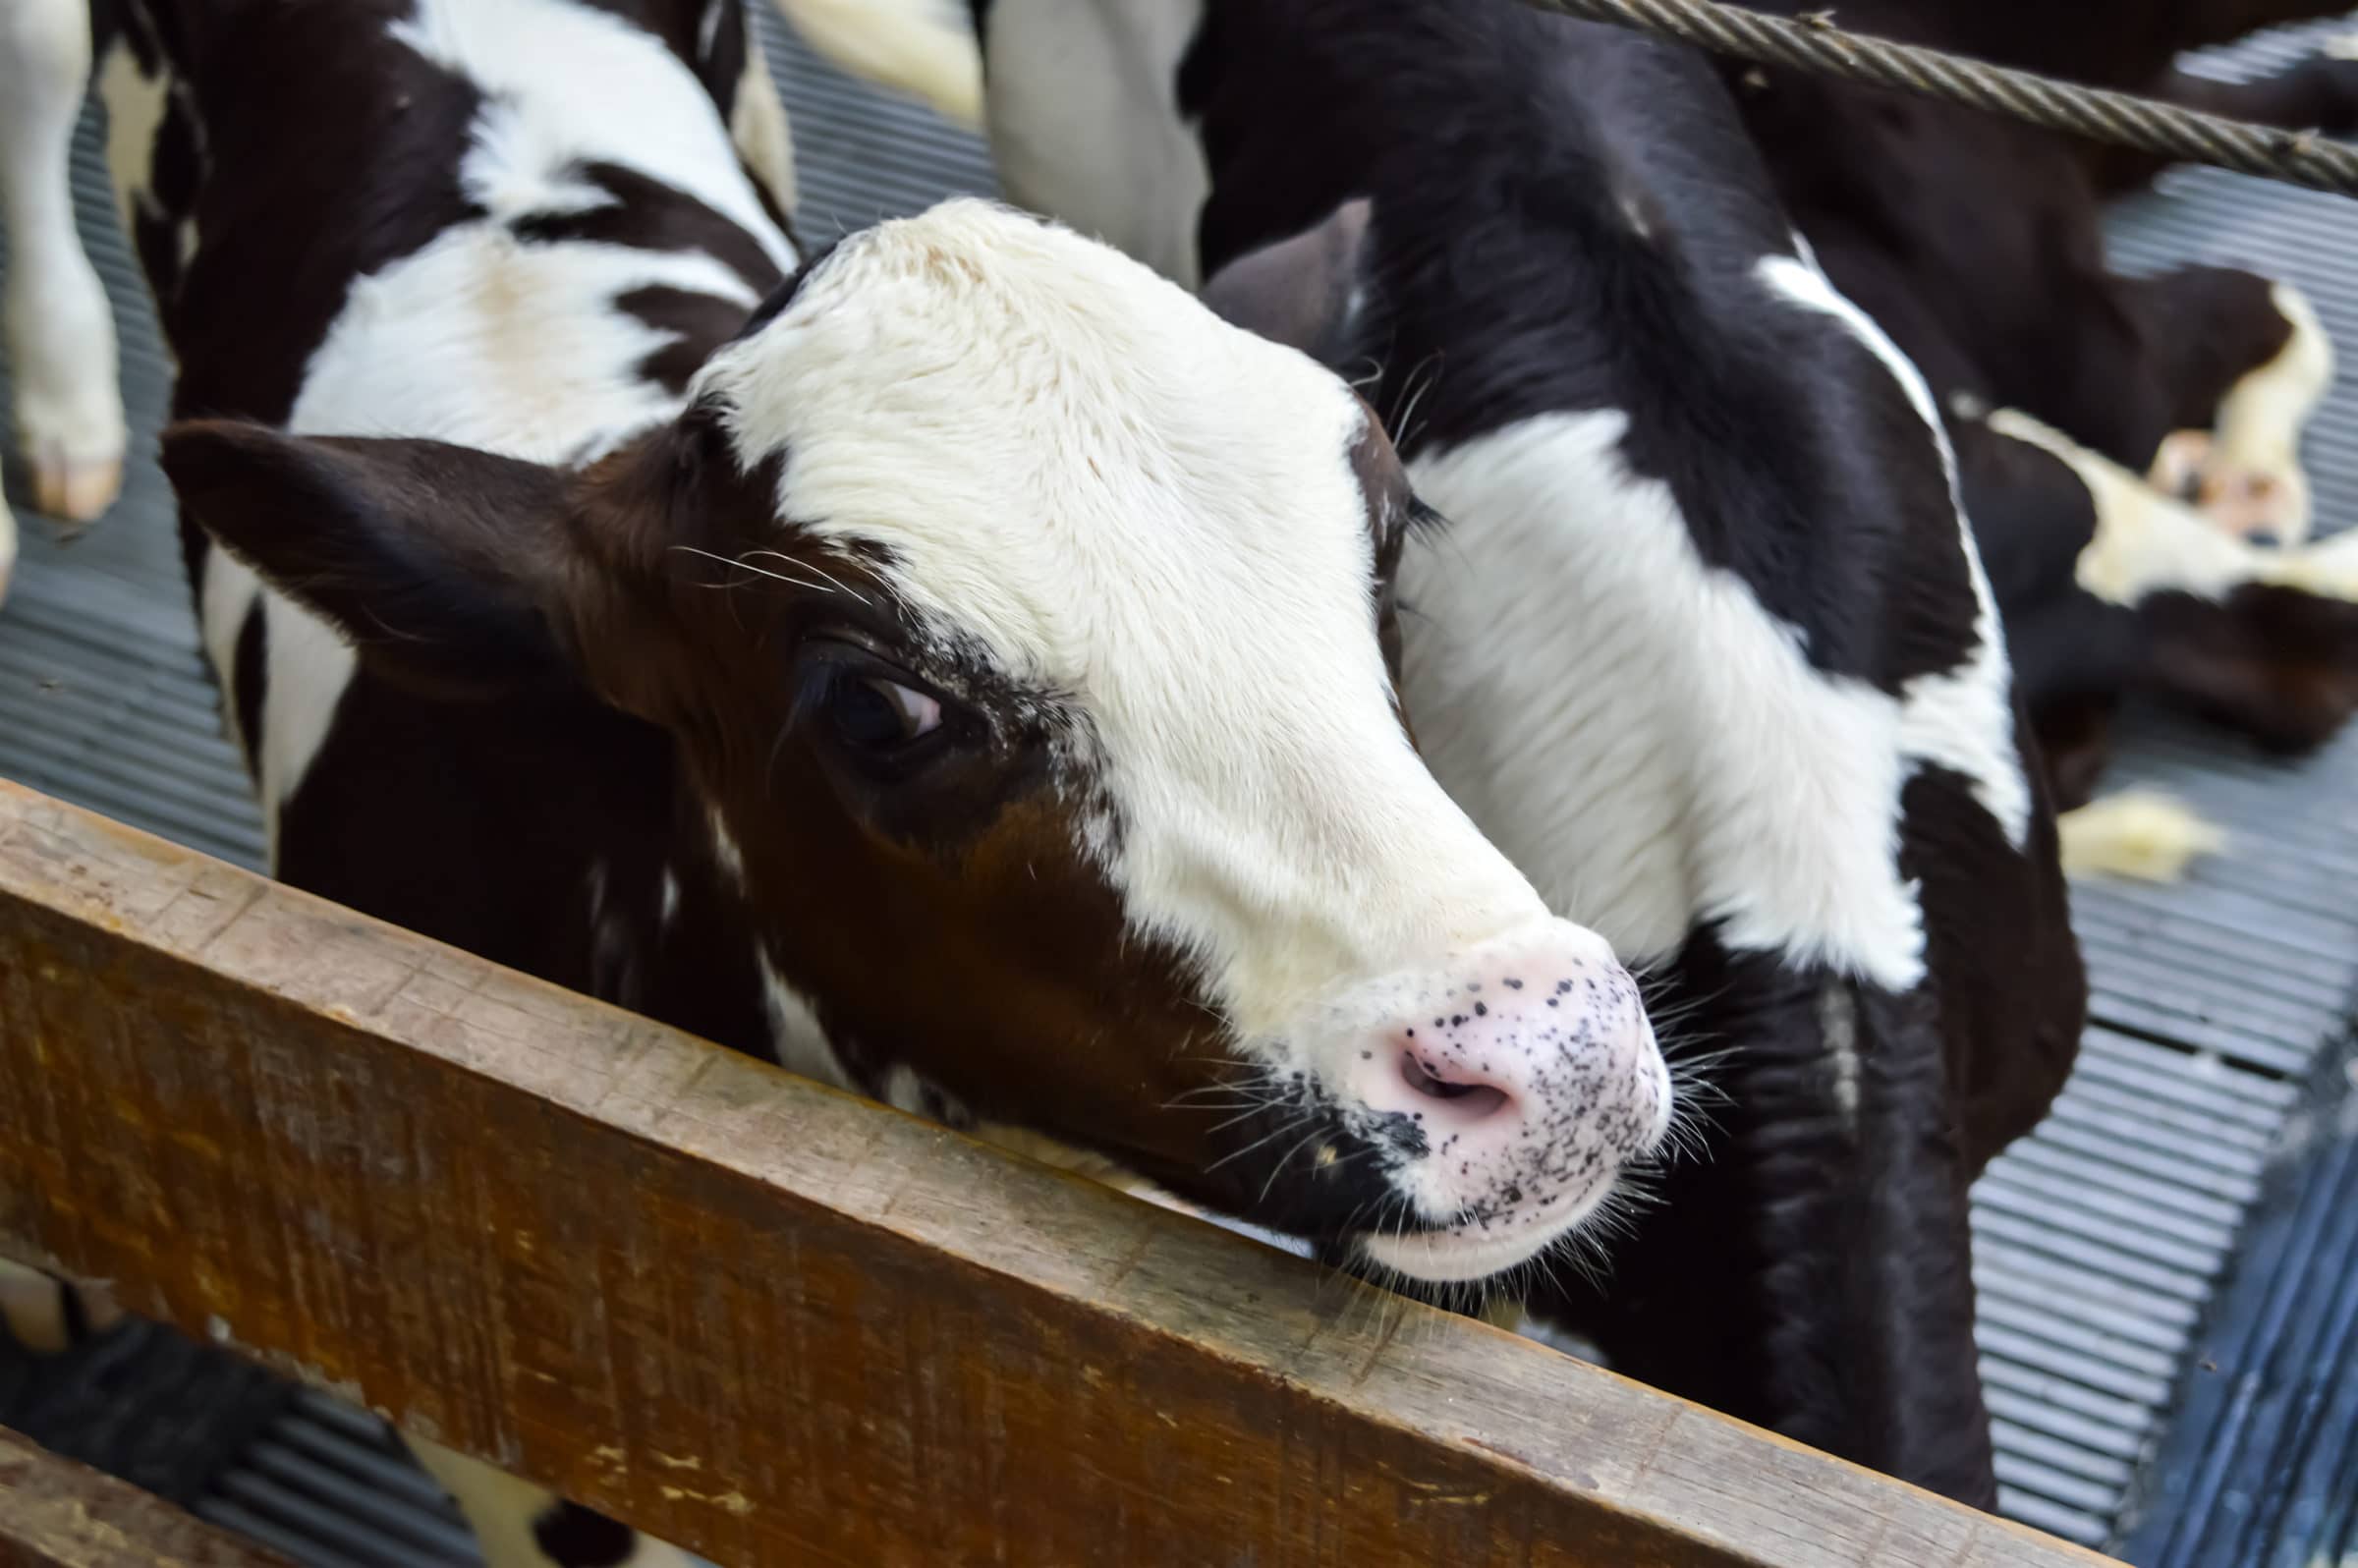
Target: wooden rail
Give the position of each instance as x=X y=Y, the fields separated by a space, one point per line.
x=776 y=1324
x=58 y=1514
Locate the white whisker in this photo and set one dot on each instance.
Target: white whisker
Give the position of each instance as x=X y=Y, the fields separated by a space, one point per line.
x=840 y=584
x=759 y=570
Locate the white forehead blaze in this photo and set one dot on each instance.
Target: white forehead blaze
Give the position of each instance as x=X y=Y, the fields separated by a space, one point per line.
x=1115 y=497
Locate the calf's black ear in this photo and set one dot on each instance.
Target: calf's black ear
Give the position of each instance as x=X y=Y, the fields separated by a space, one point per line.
x=443 y=565
x=1304 y=290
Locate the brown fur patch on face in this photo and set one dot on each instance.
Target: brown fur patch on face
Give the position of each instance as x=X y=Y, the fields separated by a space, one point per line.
x=1002 y=972
x=951 y=919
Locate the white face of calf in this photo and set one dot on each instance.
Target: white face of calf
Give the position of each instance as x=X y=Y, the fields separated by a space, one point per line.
x=1038 y=701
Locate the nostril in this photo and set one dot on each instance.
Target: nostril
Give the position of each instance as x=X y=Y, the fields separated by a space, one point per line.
x=2264 y=539
x=1424 y=1082
x=1470 y=1101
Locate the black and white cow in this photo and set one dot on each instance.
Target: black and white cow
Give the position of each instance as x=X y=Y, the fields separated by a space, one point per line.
x=56 y=325
x=2129 y=446
x=954 y=664
x=1704 y=646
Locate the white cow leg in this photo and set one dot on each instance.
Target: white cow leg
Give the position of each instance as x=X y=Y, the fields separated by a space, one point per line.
x=58 y=327
x=507 y=1516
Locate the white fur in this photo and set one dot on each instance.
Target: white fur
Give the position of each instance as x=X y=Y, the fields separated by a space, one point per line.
x=1644 y=739
x=797 y=1038
x=557 y=71
x=2147 y=542
x=2260 y=421
x=1637 y=733
x=225 y=594
x=58 y=327
x=1082 y=103
x=511 y=347
x=307 y=665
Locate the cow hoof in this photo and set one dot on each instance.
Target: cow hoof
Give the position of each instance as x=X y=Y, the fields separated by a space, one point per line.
x=2262 y=505
x=74 y=489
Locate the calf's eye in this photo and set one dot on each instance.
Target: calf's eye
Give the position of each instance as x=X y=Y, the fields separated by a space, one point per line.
x=870 y=714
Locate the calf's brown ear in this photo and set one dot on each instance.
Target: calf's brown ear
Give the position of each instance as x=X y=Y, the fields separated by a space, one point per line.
x=443 y=565
x=1304 y=290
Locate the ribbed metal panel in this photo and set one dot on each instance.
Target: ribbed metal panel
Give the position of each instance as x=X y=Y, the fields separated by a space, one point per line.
x=2102 y=1241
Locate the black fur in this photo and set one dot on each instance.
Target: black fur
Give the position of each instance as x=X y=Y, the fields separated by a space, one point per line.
x=1510 y=277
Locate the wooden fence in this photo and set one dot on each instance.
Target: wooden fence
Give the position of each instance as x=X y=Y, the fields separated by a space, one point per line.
x=776 y=1324
x=57 y=1514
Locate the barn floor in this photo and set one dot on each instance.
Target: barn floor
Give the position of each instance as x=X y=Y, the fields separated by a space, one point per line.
x=2168 y=1268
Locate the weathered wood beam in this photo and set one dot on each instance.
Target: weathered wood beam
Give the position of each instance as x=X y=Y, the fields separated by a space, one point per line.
x=776 y=1323
x=57 y=1514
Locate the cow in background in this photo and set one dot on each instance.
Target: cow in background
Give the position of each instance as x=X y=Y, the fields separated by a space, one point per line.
x=2130 y=447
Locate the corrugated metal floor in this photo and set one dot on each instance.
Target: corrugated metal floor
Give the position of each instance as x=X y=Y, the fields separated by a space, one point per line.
x=2104 y=1239
x=2221 y=1031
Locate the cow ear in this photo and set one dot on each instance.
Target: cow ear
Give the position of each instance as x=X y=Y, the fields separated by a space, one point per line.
x=441 y=564
x=1304 y=290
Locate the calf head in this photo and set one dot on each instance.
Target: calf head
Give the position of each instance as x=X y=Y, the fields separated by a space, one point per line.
x=1018 y=622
